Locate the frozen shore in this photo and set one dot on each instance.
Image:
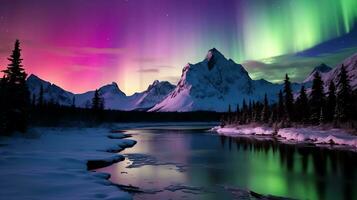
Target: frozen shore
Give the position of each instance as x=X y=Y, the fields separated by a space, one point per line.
x=53 y=163
x=312 y=134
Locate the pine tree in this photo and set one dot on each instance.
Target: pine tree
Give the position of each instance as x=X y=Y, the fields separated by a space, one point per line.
x=17 y=94
x=237 y=117
x=330 y=102
x=302 y=106
x=250 y=112
x=265 y=112
x=96 y=100
x=102 y=103
x=316 y=98
x=3 y=106
x=229 y=114
x=244 y=112
x=281 y=109
x=344 y=95
x=33 y=102
x=40 y=97
x=288 y=98
x=321 y=119
x=73 y=102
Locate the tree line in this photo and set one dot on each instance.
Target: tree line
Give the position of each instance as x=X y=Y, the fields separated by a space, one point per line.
x=16 y=106
x=337 y=105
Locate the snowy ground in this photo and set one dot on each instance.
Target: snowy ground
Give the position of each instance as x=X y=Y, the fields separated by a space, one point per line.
x=315 y=135
x=50 y=163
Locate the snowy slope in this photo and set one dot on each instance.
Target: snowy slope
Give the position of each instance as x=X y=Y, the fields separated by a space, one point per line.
x=117 y=100
x=113 y=96
x=51 y=92
x=321 y=69
x=155 y=93
x=213 y=84
x=351 y=67
x=328 y=74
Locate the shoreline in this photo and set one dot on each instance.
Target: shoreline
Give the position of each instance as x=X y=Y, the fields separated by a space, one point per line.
x=315 y=135
x=49 y=159
x=94 y=164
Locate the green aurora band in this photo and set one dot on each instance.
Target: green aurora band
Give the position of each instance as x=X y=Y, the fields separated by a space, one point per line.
x=272 y=28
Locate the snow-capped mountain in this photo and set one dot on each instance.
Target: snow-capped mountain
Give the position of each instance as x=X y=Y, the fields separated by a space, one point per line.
x=329 y=74
x=114 y=98
x=214 y=84
x=155 y=93
x=351 y=67
x=117 y=100
x=51 y=92
x=322 y=69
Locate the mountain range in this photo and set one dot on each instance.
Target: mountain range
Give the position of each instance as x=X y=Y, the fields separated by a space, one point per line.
x=212 y=84
x=114 y=98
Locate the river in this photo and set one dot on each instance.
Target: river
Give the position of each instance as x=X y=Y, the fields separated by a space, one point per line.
x=189 y=162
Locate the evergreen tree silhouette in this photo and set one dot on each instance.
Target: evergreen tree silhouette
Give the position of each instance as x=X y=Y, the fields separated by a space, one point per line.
x=344 y=96
x=281 y=109
x=33 y=100
x=40 y=97
x=229 y=114
x=17 y=94
x=302 y=106
x=3 y=105
x=244 y=112
x=73 y=102
x=288 y=98
x=97 y=101
x=330 y=102
x=101 y=103
x=316 y=98
x=265 y=112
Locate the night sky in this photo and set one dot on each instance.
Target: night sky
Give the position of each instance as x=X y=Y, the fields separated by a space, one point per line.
x=83 y=44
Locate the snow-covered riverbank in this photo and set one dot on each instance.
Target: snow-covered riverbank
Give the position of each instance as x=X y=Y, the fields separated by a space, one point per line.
x=315 y=135
x=51 y=163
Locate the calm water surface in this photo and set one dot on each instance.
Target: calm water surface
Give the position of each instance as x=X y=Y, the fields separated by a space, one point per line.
x=188 y=162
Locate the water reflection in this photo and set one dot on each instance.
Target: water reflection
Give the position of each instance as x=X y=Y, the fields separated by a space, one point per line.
x=339 y=165
x=195 y=164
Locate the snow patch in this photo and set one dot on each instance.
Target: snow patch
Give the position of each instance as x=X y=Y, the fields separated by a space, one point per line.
x=50 y=163
x=309 y=134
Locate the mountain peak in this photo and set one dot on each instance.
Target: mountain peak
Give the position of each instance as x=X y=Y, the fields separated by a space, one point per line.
x=322 y=68
x=33 y=77
x=111 y=88
x=35 y=80
x=214 y=53
x=160 y=84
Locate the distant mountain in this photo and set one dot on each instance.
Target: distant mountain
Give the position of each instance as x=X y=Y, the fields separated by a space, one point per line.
x=113 y=96
x=351 y=67
x=51 y=92
x=214 y=84
x=155 y=93
x=322 y=69
x=329 y=74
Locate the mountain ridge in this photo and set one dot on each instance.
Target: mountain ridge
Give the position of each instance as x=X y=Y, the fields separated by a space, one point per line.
x=211 y=84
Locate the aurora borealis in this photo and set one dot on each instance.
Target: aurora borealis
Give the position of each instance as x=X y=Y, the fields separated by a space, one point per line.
x=83 y=44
